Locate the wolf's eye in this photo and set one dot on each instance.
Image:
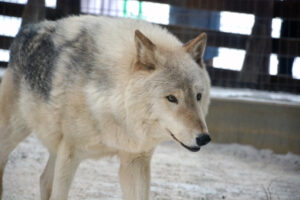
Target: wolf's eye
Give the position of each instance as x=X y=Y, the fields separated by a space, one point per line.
x=172 y=99
x=199 y=95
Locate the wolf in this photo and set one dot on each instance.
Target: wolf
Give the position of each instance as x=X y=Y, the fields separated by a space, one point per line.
x=90 y=87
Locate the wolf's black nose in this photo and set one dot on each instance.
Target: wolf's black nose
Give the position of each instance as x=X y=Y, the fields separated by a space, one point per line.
x=203 y=139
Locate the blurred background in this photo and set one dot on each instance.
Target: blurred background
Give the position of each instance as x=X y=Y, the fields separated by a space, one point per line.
x=253 y=59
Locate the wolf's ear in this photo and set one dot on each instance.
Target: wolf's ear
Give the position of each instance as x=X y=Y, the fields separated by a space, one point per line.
x=196 y=47
x=145 y=52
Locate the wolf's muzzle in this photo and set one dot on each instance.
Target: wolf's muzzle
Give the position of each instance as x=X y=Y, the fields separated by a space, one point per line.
x=203 y=139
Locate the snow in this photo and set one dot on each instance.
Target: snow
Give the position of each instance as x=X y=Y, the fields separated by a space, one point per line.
x=2 y=71
x=218 y=171
x=255 y=95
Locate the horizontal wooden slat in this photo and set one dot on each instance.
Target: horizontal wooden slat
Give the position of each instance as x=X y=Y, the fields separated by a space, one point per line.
x=215 y=38
x=283 y=9
x=16 y=10
x=11 y=9
x=287 y=9
x=5 y=42
x=3 y=64
x=230 y=78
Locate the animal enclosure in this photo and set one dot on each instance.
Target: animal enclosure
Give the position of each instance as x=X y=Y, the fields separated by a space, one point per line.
x=252 y=44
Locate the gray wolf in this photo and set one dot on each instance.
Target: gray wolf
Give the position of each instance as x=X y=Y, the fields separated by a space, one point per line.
x=91 y=86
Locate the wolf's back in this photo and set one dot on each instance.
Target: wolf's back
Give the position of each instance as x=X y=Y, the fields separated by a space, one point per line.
x=78 y=45
x=32 y=56
x=39 y=49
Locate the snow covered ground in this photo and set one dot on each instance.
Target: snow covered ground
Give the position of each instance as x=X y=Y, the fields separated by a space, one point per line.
x=218 y=171
x=255 y=95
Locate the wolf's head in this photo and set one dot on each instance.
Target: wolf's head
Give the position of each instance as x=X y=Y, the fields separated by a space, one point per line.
x=169 y=92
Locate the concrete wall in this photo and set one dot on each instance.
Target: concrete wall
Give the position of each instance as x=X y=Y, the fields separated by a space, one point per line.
x=265 y=125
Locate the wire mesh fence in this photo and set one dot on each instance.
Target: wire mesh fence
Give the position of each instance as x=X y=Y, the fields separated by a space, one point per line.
x=251 y=43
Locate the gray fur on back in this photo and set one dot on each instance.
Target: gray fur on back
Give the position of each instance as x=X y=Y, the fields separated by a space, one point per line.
x=34 y=55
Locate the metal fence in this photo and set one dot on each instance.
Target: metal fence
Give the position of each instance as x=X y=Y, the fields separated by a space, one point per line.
x=261 y=51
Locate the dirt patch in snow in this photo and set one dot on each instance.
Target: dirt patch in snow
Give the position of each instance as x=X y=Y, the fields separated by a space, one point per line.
x=218 y=171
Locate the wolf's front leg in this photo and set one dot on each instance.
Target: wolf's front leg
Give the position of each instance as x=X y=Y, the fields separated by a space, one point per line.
x=46 y=179
x=135 y=175
x=65 y=168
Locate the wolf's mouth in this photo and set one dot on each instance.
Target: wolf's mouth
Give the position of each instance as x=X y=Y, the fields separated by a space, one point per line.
x=193 y=149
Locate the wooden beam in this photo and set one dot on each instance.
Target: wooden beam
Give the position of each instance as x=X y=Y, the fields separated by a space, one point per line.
x=287 y=9
x=11 y=9
x=215 y=38
x=3 y=64
x=283 y=9
x=5 y=42
x=67 y=7
x=229 y=78
x=16 y=10
x=258 y=47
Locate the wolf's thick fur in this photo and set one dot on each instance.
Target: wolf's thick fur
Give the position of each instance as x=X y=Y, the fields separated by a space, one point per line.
x=93 y=86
